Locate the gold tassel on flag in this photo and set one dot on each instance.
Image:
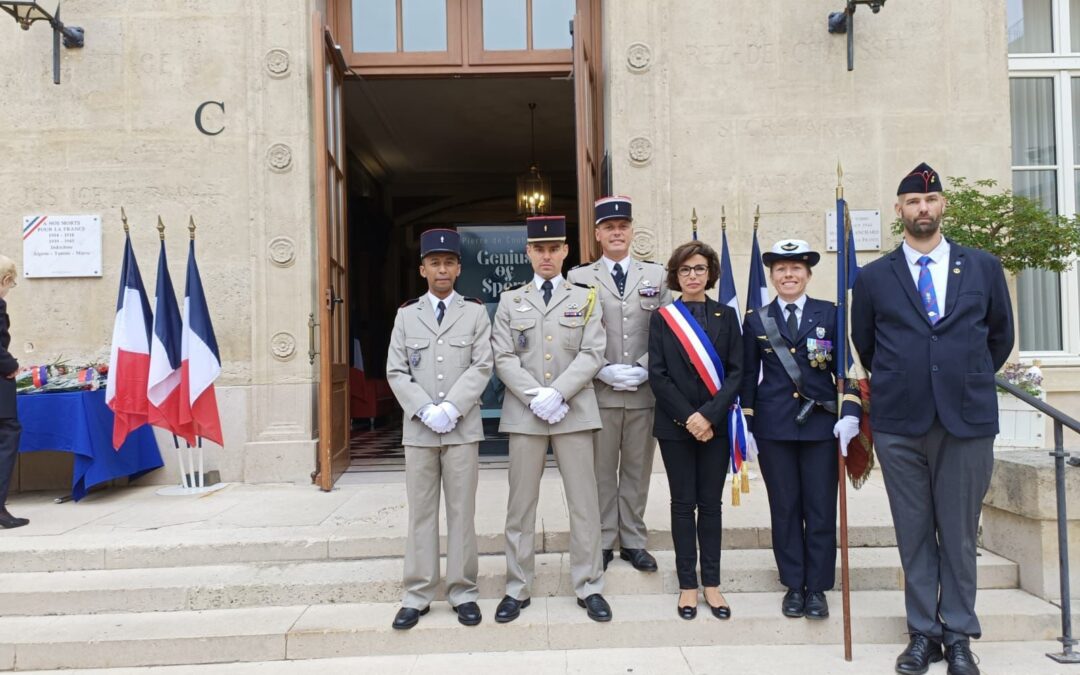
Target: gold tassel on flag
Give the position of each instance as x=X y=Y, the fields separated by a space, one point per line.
x=734 y=490
x=745 y=479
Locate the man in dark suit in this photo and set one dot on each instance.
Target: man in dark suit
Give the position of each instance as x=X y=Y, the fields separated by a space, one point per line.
x=9 y=416
x=932 y=322
x=791 y=341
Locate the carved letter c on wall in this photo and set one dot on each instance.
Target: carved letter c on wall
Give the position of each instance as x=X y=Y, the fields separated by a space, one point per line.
x=199 y=113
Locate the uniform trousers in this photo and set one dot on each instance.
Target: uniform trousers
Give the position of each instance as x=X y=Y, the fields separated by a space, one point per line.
x=696 y=473
x=801 y=478
x=624 y=456
x=574 y=453
x=10 y=430
x=456 y=469
x=936 y=483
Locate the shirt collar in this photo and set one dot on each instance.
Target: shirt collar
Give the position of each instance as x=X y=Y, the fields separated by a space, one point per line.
x=938 y=255
x=625 y=262
x=555 y=281
x=800 y=302
x=435 y=300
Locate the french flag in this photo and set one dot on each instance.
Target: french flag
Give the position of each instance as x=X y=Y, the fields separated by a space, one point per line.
x=163 y=386
x=757 y=293
x=201 y=359
x=726 y=295
x=129 y=361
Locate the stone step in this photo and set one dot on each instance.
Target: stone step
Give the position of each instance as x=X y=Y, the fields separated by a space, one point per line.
x=379 y=580
x=279 y=545
x=346 y=630
x=1014 y=658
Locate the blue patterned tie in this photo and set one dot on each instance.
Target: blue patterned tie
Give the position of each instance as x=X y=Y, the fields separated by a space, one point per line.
x=926 y=290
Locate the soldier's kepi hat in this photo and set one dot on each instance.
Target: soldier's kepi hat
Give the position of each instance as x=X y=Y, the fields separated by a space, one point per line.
x=608 y=208
x=440 y=241
x=791 y=249
x=922 y=179
x=545 y=228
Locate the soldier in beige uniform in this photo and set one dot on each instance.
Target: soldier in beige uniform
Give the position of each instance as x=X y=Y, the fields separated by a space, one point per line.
x=549 y=344
x=438 y=365
x=630 y=290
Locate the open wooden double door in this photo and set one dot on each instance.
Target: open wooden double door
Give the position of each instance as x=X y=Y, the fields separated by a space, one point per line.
x=328 y=72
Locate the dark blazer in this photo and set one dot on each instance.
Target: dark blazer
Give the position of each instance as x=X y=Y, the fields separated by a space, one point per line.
x=8 y=365
x=675 y=383
x=772 y=405
x=918 y=370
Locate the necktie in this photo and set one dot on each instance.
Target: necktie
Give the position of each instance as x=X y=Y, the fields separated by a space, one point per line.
x=546 y=287
x=792 y=320
x=926 y=290
x=620 y=277
x=440 y=311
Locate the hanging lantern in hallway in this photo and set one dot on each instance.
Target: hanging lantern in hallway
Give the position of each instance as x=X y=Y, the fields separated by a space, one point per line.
x=533 y=190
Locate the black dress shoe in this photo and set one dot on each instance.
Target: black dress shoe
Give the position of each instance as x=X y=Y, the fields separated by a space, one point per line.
x=817 y=607
x=687 y=613
x=407 y=617
x=722 y=612
x=961 y=661
x=8 y=521
x=641 y=559
x=510 y=609
x=920 y=653
x=608 y=557
x=468 y=613
x=597 y=607
x=794 y=604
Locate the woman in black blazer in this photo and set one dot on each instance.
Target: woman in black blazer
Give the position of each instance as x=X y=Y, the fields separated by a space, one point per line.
x=9 y=417
x=691 y=424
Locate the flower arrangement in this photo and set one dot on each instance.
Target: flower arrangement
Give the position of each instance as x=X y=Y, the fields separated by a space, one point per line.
x=1028 y=378
x=59 y=376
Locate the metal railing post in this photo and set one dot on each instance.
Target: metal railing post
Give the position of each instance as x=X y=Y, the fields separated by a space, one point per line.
x=1067 y=654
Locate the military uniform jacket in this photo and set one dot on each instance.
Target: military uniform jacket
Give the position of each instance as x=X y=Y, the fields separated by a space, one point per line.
x=554 y=345
x=430 y=362
x=626 y=322
x=772 y=405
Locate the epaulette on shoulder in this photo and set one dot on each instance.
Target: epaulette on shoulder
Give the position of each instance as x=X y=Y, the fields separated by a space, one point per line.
x=476 y=300
x=411 y=301
x=651 y=262
x=581 y=265
x=515 y=286
x=581 y=285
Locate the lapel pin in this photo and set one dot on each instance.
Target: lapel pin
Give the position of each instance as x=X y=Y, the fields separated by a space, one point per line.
x=820 y=332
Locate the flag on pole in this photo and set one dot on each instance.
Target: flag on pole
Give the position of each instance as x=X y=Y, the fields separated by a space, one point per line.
x=201 y=359
x=163 y=387
x=757 y=292
x=129 y=360
x=860 y=459
x=726 y=294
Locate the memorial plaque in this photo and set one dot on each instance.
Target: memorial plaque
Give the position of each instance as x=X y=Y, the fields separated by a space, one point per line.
x=61 y=246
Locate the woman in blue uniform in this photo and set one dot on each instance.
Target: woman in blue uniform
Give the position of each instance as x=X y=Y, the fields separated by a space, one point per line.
x=792 y=414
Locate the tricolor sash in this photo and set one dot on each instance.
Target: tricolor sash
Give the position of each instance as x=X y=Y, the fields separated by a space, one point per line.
x=695 y=342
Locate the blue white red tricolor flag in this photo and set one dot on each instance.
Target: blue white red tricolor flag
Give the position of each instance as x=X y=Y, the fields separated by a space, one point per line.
x=129 y=361
x=757 y=292
x=163 y=385
x=726 y=294
x=201 y=359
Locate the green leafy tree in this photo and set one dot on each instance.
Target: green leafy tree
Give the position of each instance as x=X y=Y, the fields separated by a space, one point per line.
x=1019 y=231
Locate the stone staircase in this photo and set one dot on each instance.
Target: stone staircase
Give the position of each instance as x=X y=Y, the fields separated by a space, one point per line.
x=93 y=599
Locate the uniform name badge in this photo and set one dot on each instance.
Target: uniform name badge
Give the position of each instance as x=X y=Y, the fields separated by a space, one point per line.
x=819 y=352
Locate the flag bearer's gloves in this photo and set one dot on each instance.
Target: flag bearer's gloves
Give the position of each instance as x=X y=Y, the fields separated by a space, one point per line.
x=846 y=428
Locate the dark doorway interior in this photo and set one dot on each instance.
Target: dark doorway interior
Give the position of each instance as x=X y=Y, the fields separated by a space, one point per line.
x=426 y=153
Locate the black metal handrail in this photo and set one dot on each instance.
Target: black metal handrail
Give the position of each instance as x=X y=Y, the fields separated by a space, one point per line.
x=1061 y=420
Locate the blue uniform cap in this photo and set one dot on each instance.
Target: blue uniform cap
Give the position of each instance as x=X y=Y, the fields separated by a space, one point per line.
x=545 y=228
x=608 y=208
x=440 y=241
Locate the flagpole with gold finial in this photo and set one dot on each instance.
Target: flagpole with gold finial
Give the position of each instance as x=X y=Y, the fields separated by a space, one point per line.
x=757 y=216
x=693 y=222
x=191 y=227
x=841 y=367
x=161 y=228
x=123 y=219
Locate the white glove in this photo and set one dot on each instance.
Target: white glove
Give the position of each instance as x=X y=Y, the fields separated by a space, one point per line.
x=545 y=402
x=452 y=414
x=435 y=418
x=634 y=376
x=846 y=428
x=559 y=414
x=610 y=373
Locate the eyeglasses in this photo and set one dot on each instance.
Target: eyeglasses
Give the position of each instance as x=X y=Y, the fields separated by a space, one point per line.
x=698 y=270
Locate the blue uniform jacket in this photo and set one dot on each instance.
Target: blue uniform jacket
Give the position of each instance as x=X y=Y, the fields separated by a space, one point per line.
x=918 y=370
x=772 y=405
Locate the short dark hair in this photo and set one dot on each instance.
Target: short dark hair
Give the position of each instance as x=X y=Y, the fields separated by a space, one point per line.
x=684 y=253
